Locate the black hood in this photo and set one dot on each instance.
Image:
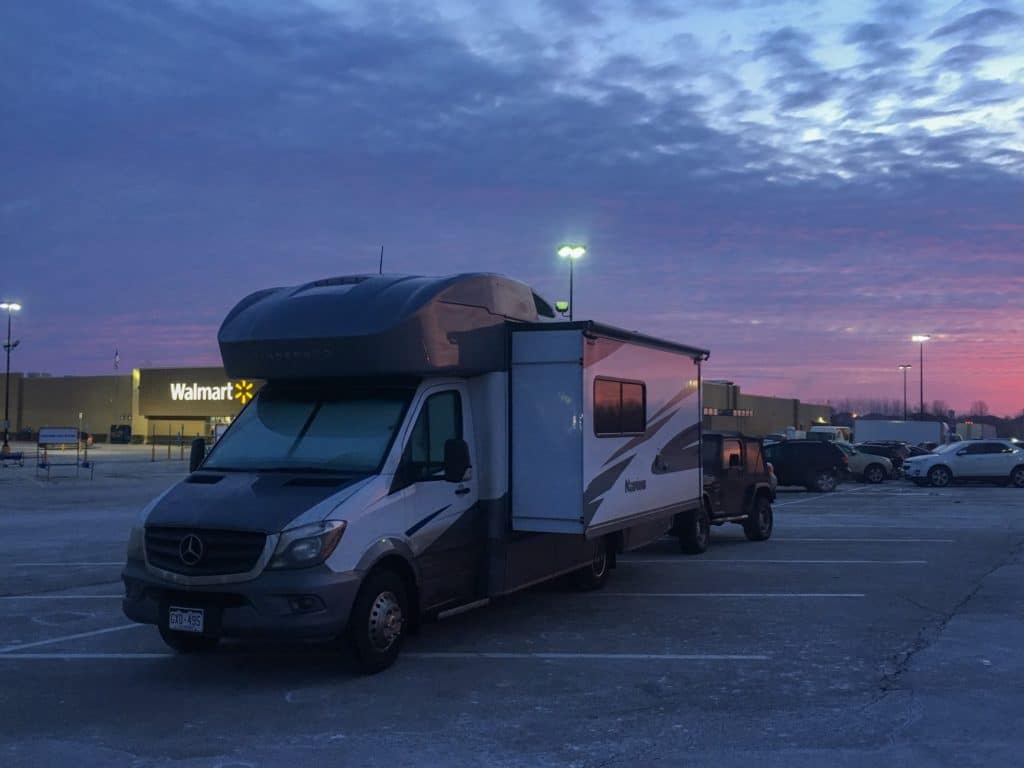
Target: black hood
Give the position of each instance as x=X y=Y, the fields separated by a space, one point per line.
x=242 y=501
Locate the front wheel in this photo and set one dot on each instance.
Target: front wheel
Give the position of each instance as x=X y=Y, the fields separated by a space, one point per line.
x=1017 y=477
x=696 y=535
x=377 y=625
x=874 y=474
x=184 y=642
x=940 y=477
x=758 y=527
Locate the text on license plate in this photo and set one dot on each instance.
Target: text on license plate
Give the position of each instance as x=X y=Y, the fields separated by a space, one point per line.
x=185 y=619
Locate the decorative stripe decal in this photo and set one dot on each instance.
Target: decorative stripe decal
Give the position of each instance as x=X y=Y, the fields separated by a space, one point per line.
x=426 y=520
x=652 y=430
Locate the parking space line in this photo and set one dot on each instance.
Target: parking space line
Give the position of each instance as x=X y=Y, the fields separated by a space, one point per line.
x=708 y=561
x=76 y=636
x=83 y=656
x=758 y=595
x=61 y=597
x=879 y=540
x=819 y=496
x=587 y=656
x=62 y=565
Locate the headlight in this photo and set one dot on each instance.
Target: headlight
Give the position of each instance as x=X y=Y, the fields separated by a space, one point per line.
x=307 y=545
x=135 y=539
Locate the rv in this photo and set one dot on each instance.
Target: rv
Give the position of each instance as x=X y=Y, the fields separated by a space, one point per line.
x=420 y=445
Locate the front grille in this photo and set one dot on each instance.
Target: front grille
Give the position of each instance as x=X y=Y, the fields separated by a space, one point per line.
x=222 y=552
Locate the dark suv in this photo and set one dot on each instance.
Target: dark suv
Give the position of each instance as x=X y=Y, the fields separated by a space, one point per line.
x=738 y=488
x=815 y=464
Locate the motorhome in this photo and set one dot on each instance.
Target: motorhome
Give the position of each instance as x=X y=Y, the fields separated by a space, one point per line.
x=420 y=445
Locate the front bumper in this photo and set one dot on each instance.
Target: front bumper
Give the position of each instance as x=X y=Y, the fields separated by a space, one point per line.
x=304 y=603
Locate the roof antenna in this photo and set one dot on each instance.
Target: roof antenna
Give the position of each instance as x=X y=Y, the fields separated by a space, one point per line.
x=380 y=269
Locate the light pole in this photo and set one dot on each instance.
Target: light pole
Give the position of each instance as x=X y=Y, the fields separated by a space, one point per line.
x=10 y=307
x=572 y=252
x=921 y=338
x=905 y=367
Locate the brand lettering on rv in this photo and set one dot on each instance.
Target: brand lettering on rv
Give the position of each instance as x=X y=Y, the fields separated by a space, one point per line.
x=241 y=391
x=632 y=486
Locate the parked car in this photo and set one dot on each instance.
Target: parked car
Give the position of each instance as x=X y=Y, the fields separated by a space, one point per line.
x=818 y=465
x=866 y=467
x=998 y=461
x=738 y=488
x=916 y=450
x=894 y=451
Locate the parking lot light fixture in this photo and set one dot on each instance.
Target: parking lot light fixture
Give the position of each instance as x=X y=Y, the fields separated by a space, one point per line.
x=10 y=307
x=905 y=367
x=921 y=338
x=571 y=252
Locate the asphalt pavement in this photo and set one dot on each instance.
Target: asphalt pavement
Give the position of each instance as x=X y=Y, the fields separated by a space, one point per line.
x=880 y=625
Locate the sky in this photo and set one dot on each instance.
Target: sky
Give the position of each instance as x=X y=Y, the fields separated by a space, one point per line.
x=798 y=186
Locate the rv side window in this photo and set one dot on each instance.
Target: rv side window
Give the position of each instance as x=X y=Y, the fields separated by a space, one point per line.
x=440 y=420
x=620 y=408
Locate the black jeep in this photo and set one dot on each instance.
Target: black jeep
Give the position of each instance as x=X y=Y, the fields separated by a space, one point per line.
x=738 y=488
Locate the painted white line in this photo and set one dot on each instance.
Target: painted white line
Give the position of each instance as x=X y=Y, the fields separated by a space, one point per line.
x=62 y=564
x=61 y=597
x=818 y=496
x=76 y=636
x=699 y=561
x=588 y=656
x=83 y=656
x=758 y=595
x=880 y=540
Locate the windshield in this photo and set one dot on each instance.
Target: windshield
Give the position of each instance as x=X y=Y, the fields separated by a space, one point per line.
x=946 y=448
x=318 y=429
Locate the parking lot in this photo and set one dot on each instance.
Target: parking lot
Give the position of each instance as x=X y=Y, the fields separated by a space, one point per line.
x=880 y=624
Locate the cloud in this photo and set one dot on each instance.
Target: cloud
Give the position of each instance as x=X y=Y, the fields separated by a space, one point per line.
x=980 y=24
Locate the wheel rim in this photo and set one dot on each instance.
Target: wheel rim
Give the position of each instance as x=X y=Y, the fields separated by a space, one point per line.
x=600 y=563
x=385 y=625
x=875 y=475
x=826 y=482
x=1018 y=478
x=940 y=477
x=702 y=530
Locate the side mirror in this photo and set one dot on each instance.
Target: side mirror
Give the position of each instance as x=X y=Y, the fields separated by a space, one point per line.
x=456 y=460
x=197 y=454
x=734 y=461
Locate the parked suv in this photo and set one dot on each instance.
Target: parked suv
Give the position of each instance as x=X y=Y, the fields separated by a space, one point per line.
x=894 y=451
x=738 y=488
x=998 y=461
x=866 y=467
x=818 y=465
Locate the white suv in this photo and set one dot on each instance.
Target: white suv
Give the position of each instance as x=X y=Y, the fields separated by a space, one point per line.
x=999 y=461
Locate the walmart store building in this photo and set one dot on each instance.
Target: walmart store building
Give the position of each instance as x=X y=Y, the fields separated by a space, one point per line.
x=160 y=403
x=156 y=403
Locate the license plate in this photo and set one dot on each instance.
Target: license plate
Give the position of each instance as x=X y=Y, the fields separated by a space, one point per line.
x=186 y=619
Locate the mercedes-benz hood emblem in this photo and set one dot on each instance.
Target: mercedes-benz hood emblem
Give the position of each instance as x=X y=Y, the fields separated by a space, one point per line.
x=191 y=549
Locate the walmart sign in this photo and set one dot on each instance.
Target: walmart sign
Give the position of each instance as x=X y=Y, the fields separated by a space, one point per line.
x=242 y=391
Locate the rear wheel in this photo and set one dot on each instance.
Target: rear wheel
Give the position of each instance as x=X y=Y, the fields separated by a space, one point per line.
x=594 y=575
x=875 y=473
x=758 y=527
x=376 y=627
x=184 y=642
x=940 y=477
x=1017 y=477
x=825 y=482
x=696 y=536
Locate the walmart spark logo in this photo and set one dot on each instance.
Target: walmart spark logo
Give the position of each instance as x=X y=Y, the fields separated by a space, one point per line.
x=243 y=391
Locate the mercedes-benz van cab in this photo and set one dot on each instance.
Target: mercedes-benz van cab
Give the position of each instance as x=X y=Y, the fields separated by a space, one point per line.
x=419 y=445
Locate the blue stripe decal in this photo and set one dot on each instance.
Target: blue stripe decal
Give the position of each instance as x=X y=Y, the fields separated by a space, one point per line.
x=426 y=520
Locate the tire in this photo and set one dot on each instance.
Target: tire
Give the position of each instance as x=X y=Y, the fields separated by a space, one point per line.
x=1017 y=477
x=594 y=576
x=940 y=476
x=874 y=474
x=183 y=642
x=696 y=535
x=376 y=627
x=758 y=527
x=825 y=482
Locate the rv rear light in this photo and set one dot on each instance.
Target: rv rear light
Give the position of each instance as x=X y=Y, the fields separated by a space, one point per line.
x=307 y=545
